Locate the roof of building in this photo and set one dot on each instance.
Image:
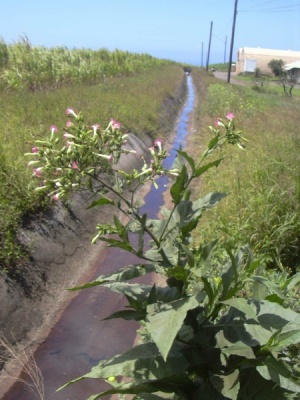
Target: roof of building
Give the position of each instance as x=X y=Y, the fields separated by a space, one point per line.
x=292 y=65
x=269 y=52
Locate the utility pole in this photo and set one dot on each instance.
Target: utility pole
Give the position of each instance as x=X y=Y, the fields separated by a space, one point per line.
x=232 y=40
x=225 y=49
x=202 y=55
x=208 y=53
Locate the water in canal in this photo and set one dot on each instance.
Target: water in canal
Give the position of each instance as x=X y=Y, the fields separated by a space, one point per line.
x=81 y=338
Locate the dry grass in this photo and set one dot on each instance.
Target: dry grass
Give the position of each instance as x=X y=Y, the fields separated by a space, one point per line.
x=22 y=360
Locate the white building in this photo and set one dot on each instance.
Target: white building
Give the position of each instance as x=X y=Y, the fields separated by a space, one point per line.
x=248 y=58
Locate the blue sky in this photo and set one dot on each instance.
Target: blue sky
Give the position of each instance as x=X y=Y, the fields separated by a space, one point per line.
x=172 y=29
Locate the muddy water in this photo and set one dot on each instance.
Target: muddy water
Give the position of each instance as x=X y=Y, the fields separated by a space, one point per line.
x=81 y=338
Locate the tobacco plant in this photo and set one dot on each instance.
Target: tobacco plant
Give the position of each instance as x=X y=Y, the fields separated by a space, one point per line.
x=211 y=331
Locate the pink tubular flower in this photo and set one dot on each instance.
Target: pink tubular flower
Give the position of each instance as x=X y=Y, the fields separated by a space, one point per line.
x=218 y=122
x=70 y=111
x=55 y=197
x=74 y=165
x=53 y=129
x=230 y=116
x=158 y=143
x=67 y=135
x=69 y=123
x=109 y=158
x=95 y=127
x=115 y=124
x=35 y=149
x=37 y=172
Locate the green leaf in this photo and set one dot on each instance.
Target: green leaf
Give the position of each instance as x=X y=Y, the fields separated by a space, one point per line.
x=190 y=257
x=283 y=338
x=239 y=349
x=213 y=142
x=277 y=371
x=209 y=200
x=273 y=288
x=118 y=243
x=203 y=259
x=208 y=392
x=189 y=159
x=124 y=274
x=149 y=396
x=128 y=315
x=100 y=202
x=255 y=387
x=228 y=385
x=206 y=167
x=294 y=280
x=142 y=363
x=209 y=291
x=178 y=187
x=244 y=306
x=165 y=320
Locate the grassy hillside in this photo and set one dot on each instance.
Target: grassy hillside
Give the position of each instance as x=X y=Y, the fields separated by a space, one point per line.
x=262 y=182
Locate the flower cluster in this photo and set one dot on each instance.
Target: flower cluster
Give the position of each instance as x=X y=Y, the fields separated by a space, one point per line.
x=85 y=157
x=231 y=135
x=63 y=162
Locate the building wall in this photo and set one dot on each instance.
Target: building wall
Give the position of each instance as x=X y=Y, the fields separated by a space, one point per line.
x=263 y=57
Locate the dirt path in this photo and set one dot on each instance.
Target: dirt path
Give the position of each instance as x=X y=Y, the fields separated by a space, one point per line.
x=223 y=76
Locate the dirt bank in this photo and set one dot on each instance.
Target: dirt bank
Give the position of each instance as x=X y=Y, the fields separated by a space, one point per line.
x=59 y=241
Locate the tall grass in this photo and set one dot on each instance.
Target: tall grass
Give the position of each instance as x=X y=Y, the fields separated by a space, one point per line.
x=25 y=66
x=136 y=101
x=262 y=206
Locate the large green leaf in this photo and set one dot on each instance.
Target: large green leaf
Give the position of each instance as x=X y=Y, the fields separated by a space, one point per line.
x=164 y=321
x=227 y=384
x=239 y=324
x=273 y=288
x=124 y=274
x=277 y=371
x=244 y=306
x=134 y=387
x=209 y=200
x=290 y=334
x=255 y=387
x=143 y=364
x=238 y=349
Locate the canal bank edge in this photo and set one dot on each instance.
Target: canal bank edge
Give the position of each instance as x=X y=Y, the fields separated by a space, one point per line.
x=61 y=256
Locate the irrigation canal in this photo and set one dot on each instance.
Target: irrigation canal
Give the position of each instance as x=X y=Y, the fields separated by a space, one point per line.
x=81 y=338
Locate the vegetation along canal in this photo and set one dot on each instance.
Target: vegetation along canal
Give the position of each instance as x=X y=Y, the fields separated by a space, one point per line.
x=81 y=337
